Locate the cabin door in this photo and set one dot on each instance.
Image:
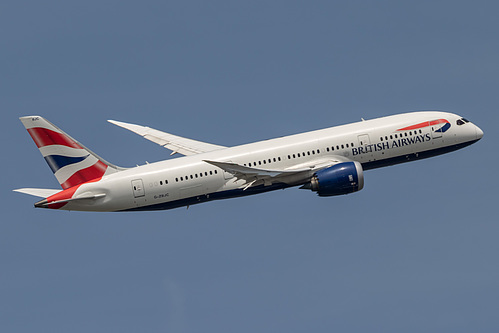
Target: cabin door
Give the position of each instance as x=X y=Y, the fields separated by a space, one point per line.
x=138 y=188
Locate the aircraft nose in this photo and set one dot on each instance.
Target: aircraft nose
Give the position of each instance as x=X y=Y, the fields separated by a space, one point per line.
x=479 y=132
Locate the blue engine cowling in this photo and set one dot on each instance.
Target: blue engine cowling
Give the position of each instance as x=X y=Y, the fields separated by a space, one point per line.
x=342 y=178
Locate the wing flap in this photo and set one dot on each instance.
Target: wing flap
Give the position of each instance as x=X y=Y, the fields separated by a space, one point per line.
x=255 y=177
x=295 y=175
x=176 y=144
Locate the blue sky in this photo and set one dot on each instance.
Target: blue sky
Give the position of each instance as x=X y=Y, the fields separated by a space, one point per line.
x=415 y=250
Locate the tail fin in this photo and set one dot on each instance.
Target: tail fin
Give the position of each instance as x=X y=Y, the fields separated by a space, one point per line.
x=71 y=162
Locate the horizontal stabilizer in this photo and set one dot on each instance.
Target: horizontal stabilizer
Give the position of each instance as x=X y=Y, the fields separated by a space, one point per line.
x=45 y=203
x=176 y=144
x=37 y=192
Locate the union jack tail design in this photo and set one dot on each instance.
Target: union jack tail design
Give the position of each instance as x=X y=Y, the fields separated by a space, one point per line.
x=71 y=162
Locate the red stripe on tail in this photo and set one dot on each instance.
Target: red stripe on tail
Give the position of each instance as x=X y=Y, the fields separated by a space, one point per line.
x=64 y=195
x=45 y=137
x=82 y=176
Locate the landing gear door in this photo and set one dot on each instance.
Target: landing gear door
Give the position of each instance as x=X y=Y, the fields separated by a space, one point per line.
x=138 y=188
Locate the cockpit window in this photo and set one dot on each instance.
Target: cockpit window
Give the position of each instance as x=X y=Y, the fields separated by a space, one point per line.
x=459 y=122
x=465 y=120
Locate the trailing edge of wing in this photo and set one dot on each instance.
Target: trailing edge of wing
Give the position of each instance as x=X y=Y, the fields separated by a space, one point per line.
x=254 y=176
x=244 y=172
x=176 y=144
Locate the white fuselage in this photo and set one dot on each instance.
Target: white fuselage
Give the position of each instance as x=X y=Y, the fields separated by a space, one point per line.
x=189 y=180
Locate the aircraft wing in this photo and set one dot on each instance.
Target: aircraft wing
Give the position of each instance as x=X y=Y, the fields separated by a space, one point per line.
x=176 y=144
x=255 y=176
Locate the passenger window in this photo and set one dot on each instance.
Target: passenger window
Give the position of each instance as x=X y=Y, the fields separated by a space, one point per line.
x=160 y=182
x=279 y=159
x=211 y=172
x=216 y=172
x=327 y=149
x=318 y=151
x=347 y=145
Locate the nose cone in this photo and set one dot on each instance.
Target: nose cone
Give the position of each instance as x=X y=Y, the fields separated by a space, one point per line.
x=479 y=133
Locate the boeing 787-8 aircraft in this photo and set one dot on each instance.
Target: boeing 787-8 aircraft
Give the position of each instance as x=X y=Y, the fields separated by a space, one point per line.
x=329 y=162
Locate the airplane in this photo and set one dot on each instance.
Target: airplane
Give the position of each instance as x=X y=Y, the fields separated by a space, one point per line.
x=328 y=161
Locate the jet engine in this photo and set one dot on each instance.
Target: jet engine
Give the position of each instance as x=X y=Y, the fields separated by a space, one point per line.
x=341 y=178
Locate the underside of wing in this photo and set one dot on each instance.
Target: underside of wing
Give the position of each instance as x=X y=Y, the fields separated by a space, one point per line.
x=254 y=176
x=176 y=144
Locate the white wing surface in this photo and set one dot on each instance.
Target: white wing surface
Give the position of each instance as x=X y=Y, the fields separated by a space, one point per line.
x=255 y=176
x=176 y=144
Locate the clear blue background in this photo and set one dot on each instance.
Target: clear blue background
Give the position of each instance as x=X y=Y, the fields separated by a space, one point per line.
x=415 y=251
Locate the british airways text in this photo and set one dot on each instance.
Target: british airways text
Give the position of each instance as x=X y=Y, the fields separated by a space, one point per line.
x=394 y=144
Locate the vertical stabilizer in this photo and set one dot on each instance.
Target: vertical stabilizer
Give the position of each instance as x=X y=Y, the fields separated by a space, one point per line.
x=71 y=162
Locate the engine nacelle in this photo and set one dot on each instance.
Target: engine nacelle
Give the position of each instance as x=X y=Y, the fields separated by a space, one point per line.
x=341 y=178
